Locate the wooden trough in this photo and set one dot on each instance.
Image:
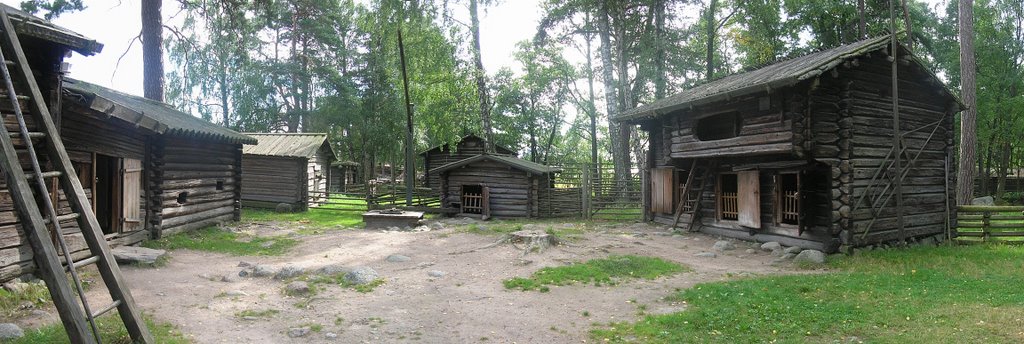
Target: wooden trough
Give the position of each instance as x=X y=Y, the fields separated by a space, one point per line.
x=386 y=218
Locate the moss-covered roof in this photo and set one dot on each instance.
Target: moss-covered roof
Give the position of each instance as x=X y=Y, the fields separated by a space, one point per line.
x=525 y=165
x=780 y=74
x=30 y=25
x=147 y=113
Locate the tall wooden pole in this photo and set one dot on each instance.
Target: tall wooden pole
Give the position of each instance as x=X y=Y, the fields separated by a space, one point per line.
x=896 y=132
x=410 y=163
x=968 y=136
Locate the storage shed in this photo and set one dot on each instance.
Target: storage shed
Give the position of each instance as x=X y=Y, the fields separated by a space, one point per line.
x=291 y=168
x=468 y=146
x=493 y=185
x=801 y=151
x=343 y=175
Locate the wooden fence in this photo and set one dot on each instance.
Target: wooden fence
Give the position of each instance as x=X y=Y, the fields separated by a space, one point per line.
x=597 y=192
x=990 y=223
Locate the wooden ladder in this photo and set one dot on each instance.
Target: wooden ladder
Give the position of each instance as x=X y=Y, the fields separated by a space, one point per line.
x=36 y=209
x=689 y=198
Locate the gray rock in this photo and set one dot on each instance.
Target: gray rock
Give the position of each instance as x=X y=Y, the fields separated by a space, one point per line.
x=297 y=288
x=394 y=229
x=793 y=250
x=436 y=273
x=750 y=251
x=330 y=335
x=771 y=246
x=778 y=253
x=421 y=229
x=397 y=258
x=244 y=264
x=787 y=256
x=706 y=255
x=288 y=272
x=284 y=208
x=16 y=287
x=810 y=257
x=929 y=241
x=361 y=275
x=299 y=332
x=333 y=269
x=987 y=200
x=263 y=271
x=229 y=279
x=435 y=225
x=724 y=245
x=10 y=331
x=137 y=255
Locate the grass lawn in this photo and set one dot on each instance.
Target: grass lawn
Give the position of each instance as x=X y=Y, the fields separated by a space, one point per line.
x=339 y=211
x=597 y=271
x=111 y=331
x=213 y=239
x=955 y=294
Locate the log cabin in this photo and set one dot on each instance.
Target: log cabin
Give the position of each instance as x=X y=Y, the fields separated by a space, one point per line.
x=344 y=174
x=290 y=168
x=802 y=151
x=467 y=147
x=135 y=158
x=494 y=185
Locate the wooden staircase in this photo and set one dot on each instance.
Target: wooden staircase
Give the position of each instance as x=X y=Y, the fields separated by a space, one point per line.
x=688 y=210
x=40 y=219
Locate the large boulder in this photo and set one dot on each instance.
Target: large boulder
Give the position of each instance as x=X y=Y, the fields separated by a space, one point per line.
x=724 y=245
x=137 y=255
x=10 y=331
x=771 y=246
x=361 y=275
x=284 y=208
x=812 y=257
x=397 y=258
x=987 y=200
x=288 y=272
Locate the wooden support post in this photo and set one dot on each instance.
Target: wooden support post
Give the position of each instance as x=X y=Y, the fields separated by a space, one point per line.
x=585 y=191
x=986 y=220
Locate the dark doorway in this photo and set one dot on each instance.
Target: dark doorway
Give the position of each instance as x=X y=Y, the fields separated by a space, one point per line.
x=108 y=191
x=472 y=199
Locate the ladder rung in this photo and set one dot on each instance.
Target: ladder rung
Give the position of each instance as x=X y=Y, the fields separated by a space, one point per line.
x=33 y=135
x=18 y=97
x=84 y=262
x=106 y=309
x=9 y=62
x=62 y=218
x=50 y=174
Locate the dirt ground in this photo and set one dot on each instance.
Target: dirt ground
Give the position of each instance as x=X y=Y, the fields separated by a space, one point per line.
x=468 y=304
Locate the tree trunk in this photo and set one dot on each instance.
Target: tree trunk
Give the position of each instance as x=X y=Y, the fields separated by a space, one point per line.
x=968 y=139
x=481 y=81
x=910 y=28
x=625 y=131
x=619 y=161
x=709 y=17
x=152 y=50
x=862 y=25
x=660 y=76
x=592 y=106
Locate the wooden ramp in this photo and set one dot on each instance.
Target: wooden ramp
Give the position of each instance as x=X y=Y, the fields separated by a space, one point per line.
x=36 y=209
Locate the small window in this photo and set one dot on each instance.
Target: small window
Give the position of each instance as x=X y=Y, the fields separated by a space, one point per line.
x=787 y=198
x=718 y=127
x=182 y=197
x=472 y=199
x=220 y=185
x=728 y=197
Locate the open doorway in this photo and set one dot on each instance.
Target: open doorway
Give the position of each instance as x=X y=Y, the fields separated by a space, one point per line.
x=472 y=199
x=107 y=191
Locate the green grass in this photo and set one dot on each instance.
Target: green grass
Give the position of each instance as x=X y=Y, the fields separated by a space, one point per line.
x=313 y=218
x=605 y=271
x=317 y=280
x=213 y=239
x=35 y=294
x=111 y=329
x=266 y=313
x=965 y=294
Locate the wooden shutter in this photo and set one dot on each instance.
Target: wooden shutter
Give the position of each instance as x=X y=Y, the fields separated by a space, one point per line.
x=131 y=186
x=749 y=198
x=661 y=190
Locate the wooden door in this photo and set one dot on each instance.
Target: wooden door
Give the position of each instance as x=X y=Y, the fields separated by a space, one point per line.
x=661 y=190
x=749 y=198
x=131 y=192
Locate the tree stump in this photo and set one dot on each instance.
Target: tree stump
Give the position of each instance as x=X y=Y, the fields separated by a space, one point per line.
x=526 y=240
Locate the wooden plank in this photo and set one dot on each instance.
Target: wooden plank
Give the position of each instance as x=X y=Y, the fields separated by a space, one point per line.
x=749 y=186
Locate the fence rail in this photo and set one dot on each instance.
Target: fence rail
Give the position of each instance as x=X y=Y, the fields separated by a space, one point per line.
x=990 y=223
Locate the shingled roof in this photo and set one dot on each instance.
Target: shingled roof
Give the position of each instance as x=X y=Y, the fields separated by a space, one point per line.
x=780 y=74
x=147 y=113
x=295 y=145
x=525 y=165
x=30 y=25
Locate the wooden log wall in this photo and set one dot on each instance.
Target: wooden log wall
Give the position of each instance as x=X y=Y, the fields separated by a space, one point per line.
x=764 y=130
x=511 y=191
x=826 y=109
x=199 y=186
x=318 y=172
x=924 y=189
x=268 y=180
